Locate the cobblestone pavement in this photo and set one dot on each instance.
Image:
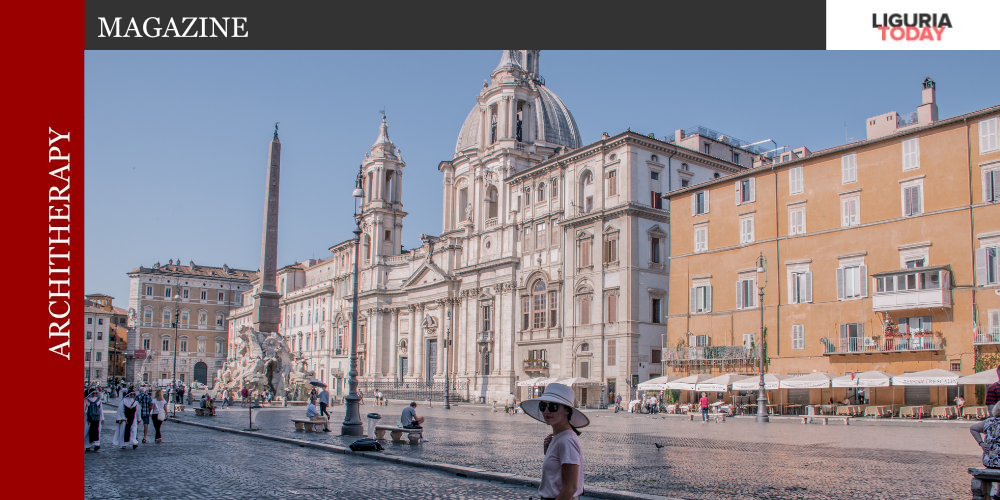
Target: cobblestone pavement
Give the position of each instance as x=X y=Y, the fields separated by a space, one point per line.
x=196 y=463
x=738 y=459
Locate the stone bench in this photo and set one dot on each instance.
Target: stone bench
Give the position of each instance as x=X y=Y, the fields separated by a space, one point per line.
x=396 y=432
x=178 y=407
x=826 y=419
x=309 y=425
x=202 y=412
x=982 y=482
x=717 y=416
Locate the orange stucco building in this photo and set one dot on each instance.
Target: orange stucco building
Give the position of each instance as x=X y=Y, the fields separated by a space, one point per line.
x=880 y=255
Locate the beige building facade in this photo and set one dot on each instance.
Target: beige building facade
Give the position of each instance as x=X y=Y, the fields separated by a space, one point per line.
x=200 y=299
x=880 y=255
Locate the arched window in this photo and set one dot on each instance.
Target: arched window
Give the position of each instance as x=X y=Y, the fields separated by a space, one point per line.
x=587 y=191
x=541 y=191
x=531 y=69
x=493 y=127
x=492 y=199
x=655 y=159
x=340 y=334
x=584 y=347
x=538 y=305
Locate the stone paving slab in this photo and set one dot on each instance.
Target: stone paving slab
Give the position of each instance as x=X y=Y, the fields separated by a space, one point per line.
x=196 y=463
x=737 y=459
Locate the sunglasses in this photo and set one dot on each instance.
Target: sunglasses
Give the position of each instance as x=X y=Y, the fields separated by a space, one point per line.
x=549 y=406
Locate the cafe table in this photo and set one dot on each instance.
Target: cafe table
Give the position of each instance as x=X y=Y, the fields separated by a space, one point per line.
x=974 y=411
x=944 y=412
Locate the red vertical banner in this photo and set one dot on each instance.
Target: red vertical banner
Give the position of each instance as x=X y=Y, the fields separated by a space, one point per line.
x=43 y=235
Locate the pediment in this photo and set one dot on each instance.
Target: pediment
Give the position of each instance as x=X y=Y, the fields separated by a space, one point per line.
x=426 y=274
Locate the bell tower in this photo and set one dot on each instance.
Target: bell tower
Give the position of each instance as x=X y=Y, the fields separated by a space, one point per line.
x=382 y=204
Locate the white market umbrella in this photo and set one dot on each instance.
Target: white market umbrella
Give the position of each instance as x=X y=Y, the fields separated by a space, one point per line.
x=656 y=384
x=864 y=379
x=531 y=382
x=687 y=383
x=817 y=380
x=722 y=382
x=752 y=383
x=936 y=376
x=576 y=381
x=982 y=378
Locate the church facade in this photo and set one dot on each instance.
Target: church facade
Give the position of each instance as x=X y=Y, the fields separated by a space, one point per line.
x=552 y=260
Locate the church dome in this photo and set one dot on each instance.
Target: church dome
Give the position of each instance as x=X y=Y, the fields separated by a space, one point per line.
x=558 y=126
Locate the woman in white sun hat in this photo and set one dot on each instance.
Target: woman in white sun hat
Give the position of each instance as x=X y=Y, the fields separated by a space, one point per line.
x=562 y=467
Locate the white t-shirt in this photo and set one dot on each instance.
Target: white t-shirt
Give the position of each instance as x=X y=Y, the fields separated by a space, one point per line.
x=564 y=449
x=158 y=407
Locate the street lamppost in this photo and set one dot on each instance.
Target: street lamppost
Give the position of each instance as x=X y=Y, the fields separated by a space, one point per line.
x=761 y=283
x=352 y=409
x=90 y=361
x=177 y=319
x=447 y=357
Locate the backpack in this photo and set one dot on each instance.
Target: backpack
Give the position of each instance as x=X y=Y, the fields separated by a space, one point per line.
x=93 y=412
x=366 y=445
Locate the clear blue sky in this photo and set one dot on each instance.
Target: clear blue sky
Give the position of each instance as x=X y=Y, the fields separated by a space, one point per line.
x=176 y=142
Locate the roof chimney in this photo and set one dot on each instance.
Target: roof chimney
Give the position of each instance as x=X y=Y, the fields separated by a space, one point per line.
x=927 y=113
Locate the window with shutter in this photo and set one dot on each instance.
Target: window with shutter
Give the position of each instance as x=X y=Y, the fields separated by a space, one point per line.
x=991 y=185
x=795 y=180
x=848 y=169
x=612 y=309
x=989 y=139
x=911 y=154
x=798 y=337
x=849 y=211
x=701 y=239
x=912 y=200
x=797 y=221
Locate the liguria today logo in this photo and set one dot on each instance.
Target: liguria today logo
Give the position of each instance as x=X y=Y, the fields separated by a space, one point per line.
x=911 y=27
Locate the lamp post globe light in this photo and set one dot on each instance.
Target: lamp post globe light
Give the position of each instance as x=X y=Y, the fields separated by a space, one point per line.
x=177 y=319
x=352 y=409
x=761 y=283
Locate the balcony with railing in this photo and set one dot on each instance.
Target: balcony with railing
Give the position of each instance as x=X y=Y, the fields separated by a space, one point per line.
x=536 y=366
x=988 y=335
x=491 y=223
x=913 y=288
x=915 y=341
x=710 y=355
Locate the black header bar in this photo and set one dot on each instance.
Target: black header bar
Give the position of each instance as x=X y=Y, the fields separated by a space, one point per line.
x=388 y=24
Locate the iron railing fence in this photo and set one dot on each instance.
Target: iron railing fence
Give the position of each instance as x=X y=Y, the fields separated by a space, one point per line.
x=415 y=391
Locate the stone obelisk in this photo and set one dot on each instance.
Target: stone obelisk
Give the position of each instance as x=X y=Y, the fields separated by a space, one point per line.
x=266 y=314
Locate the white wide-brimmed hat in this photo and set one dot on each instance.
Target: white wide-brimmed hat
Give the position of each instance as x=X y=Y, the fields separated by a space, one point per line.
x=556 y=393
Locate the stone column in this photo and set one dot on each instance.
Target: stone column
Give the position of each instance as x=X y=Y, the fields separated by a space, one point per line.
x=393 y=346
x=411 y=355
x=513 y=117
x=441 y=338
x=417 y=364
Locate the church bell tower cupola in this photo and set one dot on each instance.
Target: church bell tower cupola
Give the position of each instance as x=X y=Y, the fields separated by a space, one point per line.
x=382 y=202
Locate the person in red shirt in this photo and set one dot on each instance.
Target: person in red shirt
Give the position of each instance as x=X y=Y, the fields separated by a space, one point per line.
x=703 y=402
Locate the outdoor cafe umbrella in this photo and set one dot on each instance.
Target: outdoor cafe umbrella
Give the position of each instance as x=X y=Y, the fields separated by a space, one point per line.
x=687 y=383
x=721 y=383
x=317 y=383
x=656 y=384
x=864 y=379
x=578 y=381
x=752 y=383
x=936 y=376
x=816 y=380
x=982 y=378
x=531 y=382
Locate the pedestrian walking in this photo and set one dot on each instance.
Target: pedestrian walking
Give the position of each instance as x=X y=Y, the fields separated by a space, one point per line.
x=324 y=402
x=225 y=399
x=158 y=414
x=703 y=402
x=361 y=394
x=127 y=419
x=144 y=401
x=987 y=434
x=618 y=403
x=245 y=394
x=562 y=467
x=93 y=419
